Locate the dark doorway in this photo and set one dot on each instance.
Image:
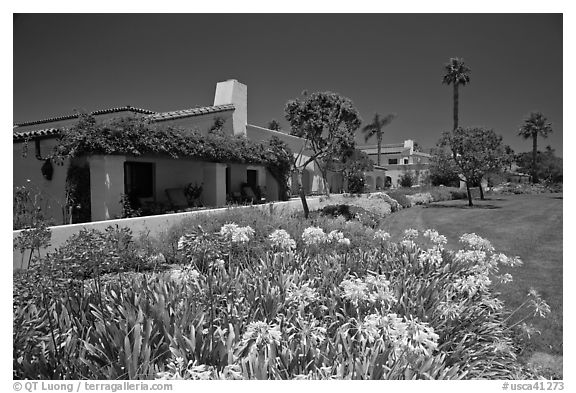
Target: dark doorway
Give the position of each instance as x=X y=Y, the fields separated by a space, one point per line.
x=138 y=182
x=228 y=180
x=252 y=178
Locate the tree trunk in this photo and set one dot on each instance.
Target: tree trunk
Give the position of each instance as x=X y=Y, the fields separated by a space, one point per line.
x=302 y=194
x=469 y=194
x=455 y=105
x=324 y=174
x=534 y=155
x=379 y=139
x=481 y=190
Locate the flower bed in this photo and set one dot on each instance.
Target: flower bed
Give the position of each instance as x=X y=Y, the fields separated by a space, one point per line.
x=289 y=301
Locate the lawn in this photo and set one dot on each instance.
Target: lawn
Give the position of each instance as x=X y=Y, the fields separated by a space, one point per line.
x=529 y=226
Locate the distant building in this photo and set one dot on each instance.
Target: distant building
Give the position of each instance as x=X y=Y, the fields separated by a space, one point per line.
x=397 y=159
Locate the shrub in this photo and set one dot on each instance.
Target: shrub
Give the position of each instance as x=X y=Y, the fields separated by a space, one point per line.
x=356 y=183
x=406 y=180
x=349 y=212
x=459 y=194
x=394 y=205
x=399 y=197
x=420 y=198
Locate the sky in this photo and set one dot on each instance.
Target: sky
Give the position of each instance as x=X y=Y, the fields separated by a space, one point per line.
x=385 y=63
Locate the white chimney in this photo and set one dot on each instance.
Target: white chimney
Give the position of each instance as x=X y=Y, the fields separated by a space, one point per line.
x=234 y=92
x=409 y=144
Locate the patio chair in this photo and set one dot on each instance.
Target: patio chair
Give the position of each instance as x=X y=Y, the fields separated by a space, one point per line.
x=177 y=198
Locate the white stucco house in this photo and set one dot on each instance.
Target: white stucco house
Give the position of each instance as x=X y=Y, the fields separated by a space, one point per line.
x=397 y=159
x=150 y=176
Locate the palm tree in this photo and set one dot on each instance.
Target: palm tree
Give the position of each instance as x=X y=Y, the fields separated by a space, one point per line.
x=456 y=74
x=536 y=124
x=375 y=128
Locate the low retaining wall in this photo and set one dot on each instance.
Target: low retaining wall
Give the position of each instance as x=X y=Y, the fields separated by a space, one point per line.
x=152 y=225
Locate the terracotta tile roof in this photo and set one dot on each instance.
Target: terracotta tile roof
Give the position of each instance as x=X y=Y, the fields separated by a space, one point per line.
x=172 y=115
x=99 y=112
x=20 y=136
x=153 y=116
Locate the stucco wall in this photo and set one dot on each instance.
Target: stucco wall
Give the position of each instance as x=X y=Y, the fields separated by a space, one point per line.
x=202 y=123
x=26 y=172
x=154 y=225
x=260 y=134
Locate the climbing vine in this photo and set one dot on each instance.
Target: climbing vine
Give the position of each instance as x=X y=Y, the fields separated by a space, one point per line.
x=135 y=136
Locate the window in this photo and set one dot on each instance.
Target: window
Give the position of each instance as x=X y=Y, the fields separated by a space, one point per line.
x=138 y=181
x=252 y=178
x=392 y=161
x=405 y=161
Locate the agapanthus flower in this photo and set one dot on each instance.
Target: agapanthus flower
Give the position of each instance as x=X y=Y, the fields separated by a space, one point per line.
x=303 y=294
x=410 y=234
x=228 y=229
x=262 y=333
x=475 y=242
x=449 y=310
x=505 y=278
x=312 y=332
x=370 y=327
x=422 y=337
x=435 y=237
x=528 y=330
x=282 y=240
x=236 y=233
x=379 y=288
x=344 y=241
x=218 y=264
x=493 y=303
x=540 y=306
x=314 y=236
x=381 y=235
x=505 y=260
x=355 y=290
x=472 y=283
x=432 y=257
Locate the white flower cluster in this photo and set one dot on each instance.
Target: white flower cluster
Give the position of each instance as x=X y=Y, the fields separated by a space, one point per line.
x=540 y=306
x=338 y=237
x=313 y=236
x=436 y=238
x=312 y=332
x=506 y=260
x=475 y=242
x=261 y=333
x=432 y=256
x=282 y=240
x=236 y=233
x=355 y=290
x=381 y=235
x=449 y=310
x=410 y=234
x=472 y=283
x=404 y=334
x=373 y=289
x=303 y=294
x=185 y=241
